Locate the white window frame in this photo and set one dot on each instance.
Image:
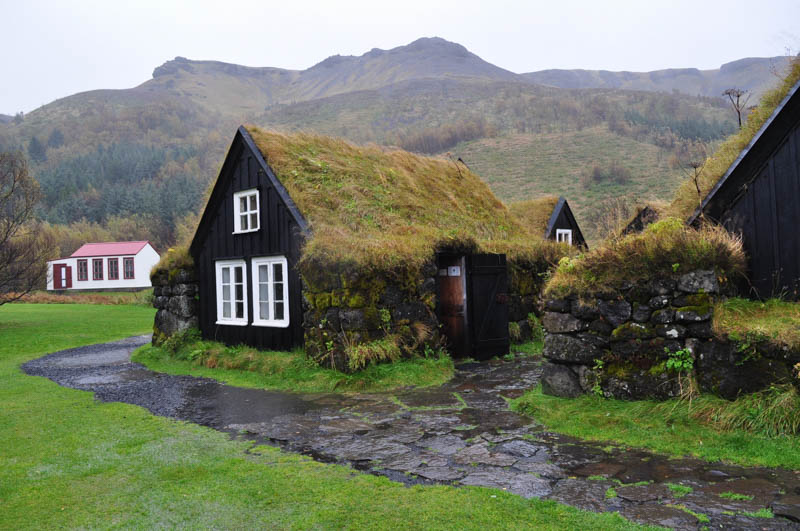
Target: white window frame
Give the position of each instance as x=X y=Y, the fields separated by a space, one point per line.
x=237 y=213
x=233 y=321
x=270 y=261
x=564 y=236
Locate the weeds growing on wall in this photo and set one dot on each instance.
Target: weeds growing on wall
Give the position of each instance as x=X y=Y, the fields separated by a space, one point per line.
x=663 y=249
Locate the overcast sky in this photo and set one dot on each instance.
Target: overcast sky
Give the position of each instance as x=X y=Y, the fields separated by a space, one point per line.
x=51 y=49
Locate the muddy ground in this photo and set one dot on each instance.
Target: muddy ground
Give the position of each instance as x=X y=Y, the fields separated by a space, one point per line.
x=461 y=434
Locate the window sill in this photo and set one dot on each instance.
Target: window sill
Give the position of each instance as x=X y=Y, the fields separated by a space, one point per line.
x=233 y=323
x=272 y=324
x=245 y=231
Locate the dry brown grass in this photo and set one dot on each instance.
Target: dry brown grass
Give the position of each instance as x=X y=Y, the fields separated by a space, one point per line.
x=686 y=198
x=390 y=209
x=174 y=259
x=663 y=249
x=142 y=298
x=534 y=213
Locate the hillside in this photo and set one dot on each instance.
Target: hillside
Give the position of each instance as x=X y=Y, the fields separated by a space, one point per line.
x=139 y=160
x=755 y=74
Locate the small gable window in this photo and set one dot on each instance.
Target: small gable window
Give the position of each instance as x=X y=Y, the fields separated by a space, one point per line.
x=231 y=293
x=270 y=292
x=245 y=210
x=564 y=236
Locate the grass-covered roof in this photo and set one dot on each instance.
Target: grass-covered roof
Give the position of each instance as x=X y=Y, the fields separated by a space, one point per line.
x=387 y=208
x=687 y=199
x=535 y=213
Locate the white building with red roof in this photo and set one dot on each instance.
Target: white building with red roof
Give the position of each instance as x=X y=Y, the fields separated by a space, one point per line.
x=111 y=265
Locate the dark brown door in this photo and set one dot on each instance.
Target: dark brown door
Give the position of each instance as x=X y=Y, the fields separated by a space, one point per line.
x=487 y=292
x=68 y=269
x=451 y=284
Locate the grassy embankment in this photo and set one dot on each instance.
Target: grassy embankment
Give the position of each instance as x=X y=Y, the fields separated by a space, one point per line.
x=69 y=461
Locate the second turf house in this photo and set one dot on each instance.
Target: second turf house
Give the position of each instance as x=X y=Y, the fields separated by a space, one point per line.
x=361 y=254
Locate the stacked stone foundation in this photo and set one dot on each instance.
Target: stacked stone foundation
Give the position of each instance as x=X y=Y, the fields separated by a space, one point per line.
x=619 y=344
x=175 y=298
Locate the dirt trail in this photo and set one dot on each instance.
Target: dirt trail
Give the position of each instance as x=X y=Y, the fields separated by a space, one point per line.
x=461 y=433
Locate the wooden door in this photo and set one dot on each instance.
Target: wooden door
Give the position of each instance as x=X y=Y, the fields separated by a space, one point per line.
x=58 y=276
x=451 y=287
x=487 y=294
x=68 y=271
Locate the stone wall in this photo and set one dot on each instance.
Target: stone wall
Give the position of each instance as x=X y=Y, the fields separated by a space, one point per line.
x=346 y=305
x=175 y=298
x=619 y=343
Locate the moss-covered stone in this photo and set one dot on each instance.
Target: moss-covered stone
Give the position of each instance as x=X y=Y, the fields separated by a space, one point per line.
x=633 y=331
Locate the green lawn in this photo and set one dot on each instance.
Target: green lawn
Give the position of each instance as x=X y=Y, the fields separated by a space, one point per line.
x=68 y=461
x=290 y=371
x=665 y=427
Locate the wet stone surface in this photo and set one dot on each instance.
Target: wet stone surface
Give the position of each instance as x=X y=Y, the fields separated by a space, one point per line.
x=461 y=434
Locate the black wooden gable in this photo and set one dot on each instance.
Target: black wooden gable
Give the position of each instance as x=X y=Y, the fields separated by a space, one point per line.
x=243 y=143
x=282 y=231
x=758 y=198
x=563 y=218
x=745 y=169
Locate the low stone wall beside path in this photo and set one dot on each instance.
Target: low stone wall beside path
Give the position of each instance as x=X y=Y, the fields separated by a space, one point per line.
x=175 y=298
x=619 y=343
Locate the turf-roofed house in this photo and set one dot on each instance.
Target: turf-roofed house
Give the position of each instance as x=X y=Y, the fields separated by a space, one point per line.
x=758 y=197
x=360 y=254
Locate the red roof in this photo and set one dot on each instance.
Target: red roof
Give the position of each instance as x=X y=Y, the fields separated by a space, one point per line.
x=109 y=249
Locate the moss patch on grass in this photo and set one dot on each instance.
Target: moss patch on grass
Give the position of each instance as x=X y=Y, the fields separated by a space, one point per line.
x=663 y=249
x=674 y=427
x=773 y=320
x=290 y=371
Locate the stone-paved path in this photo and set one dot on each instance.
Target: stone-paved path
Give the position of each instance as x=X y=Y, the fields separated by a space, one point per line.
x=461 y=433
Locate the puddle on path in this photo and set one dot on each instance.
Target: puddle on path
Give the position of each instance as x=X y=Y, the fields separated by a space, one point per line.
x=461 y=433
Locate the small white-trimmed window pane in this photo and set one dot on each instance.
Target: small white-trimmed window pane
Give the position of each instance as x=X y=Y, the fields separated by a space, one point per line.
x=226 y=275
x=226 y=292
x=238 y=274
x=253 y=220
x=243 y=204
x=226 y=310
x=243 y=221
x=269 y=289
x=253 y=206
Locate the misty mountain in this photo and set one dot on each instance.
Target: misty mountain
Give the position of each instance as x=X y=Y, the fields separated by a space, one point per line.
x=755 y=74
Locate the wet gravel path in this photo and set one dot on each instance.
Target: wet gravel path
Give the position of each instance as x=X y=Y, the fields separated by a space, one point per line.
x=461 y=433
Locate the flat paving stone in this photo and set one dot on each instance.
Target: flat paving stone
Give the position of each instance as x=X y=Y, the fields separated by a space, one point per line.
x=480 y=454
x=446 y=444
x=525 y=485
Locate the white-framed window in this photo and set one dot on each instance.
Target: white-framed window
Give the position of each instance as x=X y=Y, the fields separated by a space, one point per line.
x=270 y=292
x=231 y=292
x=564 y=236
x=245 y=211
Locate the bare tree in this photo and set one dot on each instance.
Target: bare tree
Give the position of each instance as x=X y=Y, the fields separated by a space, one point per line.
x=738 y=99
x=23 y=249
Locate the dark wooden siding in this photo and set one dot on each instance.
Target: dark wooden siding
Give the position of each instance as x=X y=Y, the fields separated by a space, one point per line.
x=767 y=215
x=279 y=234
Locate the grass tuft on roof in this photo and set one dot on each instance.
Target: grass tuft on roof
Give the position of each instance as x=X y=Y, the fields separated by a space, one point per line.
x=535 y=213
x=686 y=198
x=389 y=209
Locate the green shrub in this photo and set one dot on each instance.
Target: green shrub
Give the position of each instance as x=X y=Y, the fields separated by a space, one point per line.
x=537 y=330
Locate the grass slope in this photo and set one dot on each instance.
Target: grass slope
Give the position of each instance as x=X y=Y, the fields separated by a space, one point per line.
x=69 y=461
x=665 y=427
x=522 y=166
